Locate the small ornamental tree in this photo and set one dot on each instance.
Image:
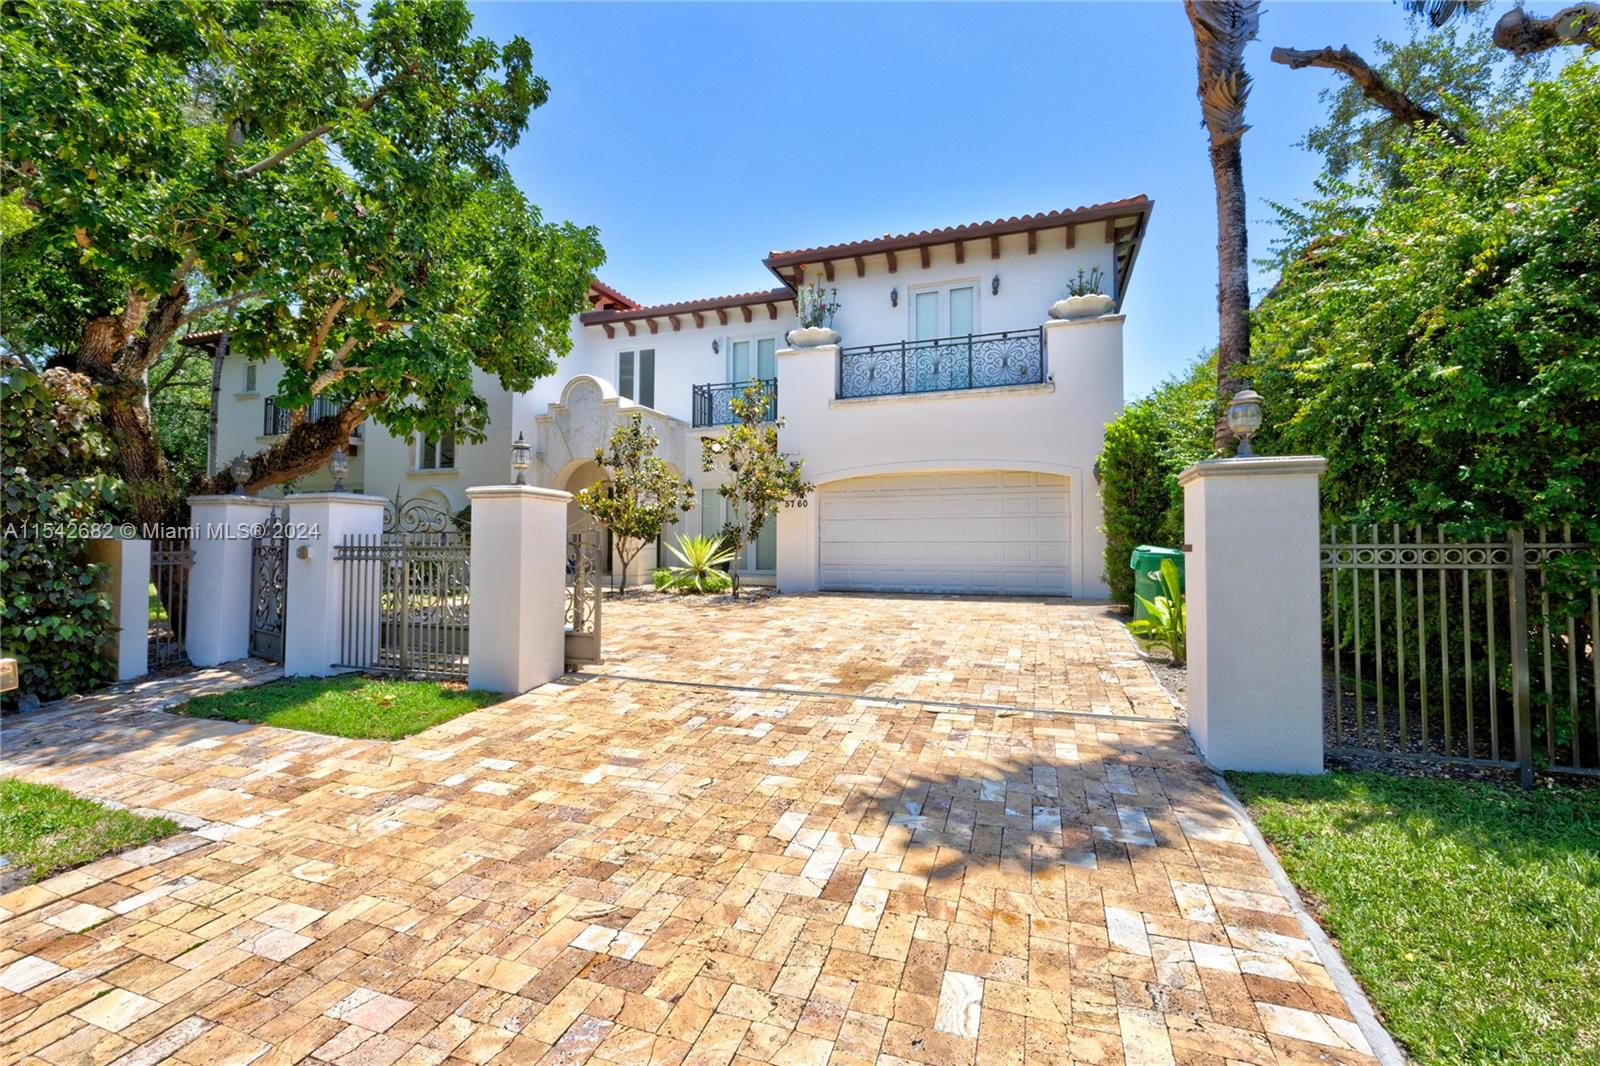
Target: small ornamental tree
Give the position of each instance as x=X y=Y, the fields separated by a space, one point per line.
x=760 y=478
x=641 y=498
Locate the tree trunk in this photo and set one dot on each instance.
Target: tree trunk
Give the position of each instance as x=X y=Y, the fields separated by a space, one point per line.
x=1233 y=279
x=218 y=356
x=115 y=354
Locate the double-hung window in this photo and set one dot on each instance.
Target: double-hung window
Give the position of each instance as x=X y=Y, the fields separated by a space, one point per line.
x=636 y=376
x=437 y=453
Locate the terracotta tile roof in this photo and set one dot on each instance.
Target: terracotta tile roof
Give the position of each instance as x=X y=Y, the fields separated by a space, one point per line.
x=601 y=294
x=202 y=339
x=686 y=307
x=1133 y=205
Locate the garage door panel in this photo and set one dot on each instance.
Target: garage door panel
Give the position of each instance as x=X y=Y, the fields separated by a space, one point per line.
x=1002 y=532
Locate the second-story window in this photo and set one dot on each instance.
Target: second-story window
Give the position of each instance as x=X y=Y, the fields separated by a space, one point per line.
x=942 y=312
x=636 y=376
x=437 y=453
x=249 y=377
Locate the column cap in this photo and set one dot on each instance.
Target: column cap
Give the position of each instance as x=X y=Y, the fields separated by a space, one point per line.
x=248 y=501
x=339 y=497
x=1114 y=319
x=513 y=492
x=1255 y=466
x=810 y=349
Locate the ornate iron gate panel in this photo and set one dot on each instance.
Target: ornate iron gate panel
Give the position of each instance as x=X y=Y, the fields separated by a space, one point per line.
x=406 y=604
x=583 y=591
x=1483 y=653
x=269 y=582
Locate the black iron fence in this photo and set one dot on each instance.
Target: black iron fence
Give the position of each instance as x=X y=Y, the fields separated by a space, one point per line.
x=712 y=407
x=1480 y=653
x=975 y=361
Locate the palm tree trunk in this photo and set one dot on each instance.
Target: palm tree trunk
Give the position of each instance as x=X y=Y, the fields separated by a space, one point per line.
x=1222 y=28
x=1233 y=280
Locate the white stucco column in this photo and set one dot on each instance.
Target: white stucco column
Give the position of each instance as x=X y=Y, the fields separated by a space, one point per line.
x=517 y=635
x=1254 y=595
x=314 y=601
x=808 y=382
x=219 y=580
x=127 y=585
x=1084 y=357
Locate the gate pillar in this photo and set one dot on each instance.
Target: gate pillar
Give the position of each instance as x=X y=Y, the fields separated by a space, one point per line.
x=1254 y=593
x=517 y=633
x=219 y=581
x=316 y=600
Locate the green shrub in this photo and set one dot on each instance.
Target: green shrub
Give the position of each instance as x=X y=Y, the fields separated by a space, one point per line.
x=702 y=560
x=53 y=618
x=1439 y=342
x=1145 y=449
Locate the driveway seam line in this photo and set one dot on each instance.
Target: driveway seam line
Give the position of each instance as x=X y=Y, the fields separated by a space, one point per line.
x=830 y=694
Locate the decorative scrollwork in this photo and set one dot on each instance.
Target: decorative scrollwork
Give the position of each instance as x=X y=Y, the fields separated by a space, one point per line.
x=976 y=361
x=713 y=406
x=583 y=576
x=416 y=516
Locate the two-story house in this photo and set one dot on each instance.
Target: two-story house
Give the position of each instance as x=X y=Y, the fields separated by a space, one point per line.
x=951 y=431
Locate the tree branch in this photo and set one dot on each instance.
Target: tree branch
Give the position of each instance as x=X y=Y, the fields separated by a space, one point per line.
x=1400 y=106
x=310 y=135
x=1523 y=34
x=218 y=305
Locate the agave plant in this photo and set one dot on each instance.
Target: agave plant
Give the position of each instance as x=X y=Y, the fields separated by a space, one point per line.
x=701 y=559
x=1168 y=623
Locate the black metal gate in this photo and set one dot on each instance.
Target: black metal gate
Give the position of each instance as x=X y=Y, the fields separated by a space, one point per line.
x=170 y=560
x=406 y=603
x=583 y=592
x=269 y=574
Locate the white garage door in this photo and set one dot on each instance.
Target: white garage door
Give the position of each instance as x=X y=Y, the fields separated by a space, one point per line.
x=998 y=532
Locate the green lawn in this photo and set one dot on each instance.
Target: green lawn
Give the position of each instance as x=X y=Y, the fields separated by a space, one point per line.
x=1471 y=912
x=345 y=706
x=44 y=829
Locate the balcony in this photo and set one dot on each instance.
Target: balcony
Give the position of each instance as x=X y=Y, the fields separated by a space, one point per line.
x=711 y=406
x=948 y=364
x=277 y=420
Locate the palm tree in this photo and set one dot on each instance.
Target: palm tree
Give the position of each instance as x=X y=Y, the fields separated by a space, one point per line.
x=1221 y=30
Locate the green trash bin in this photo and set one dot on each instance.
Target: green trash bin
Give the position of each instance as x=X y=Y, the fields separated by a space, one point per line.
x=1145 y=562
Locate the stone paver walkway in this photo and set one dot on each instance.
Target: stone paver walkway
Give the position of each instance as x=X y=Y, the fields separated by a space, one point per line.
x=630 y=872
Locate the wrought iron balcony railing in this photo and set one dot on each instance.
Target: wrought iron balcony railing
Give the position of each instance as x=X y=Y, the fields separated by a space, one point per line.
x=711 y=406
x=276 y=420
x=948 y=364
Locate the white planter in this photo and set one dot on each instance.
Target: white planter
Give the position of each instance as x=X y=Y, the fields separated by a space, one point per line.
x=1092 y=305
x=813 y=336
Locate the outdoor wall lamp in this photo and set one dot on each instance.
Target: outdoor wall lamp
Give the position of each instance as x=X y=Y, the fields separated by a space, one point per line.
x=994 y=286
x=240 y=469
x=519 y=459
x=1244 y=418
x=338 y=466
x=715 y=347
x=894 y=297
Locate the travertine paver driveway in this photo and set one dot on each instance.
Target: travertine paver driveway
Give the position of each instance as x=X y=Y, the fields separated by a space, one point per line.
x=644 y=872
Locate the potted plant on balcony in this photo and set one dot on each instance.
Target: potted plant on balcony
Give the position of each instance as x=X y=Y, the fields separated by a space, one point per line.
x=1084 y=298
x=815 y=306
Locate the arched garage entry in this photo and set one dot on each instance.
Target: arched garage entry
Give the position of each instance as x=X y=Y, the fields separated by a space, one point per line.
x=985 y=531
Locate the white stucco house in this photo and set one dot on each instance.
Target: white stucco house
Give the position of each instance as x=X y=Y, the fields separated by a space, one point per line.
x=951 y=432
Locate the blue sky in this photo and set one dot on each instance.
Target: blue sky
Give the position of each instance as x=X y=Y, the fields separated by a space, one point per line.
x=698 y=137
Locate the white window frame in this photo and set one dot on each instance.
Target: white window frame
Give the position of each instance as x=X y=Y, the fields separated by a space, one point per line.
x=943 y=289
x=754 y=338
x=420 y=457
x=633 y=354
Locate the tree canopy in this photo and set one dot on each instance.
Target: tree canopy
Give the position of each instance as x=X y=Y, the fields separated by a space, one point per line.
x=333 y=173
x=1439 y=342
